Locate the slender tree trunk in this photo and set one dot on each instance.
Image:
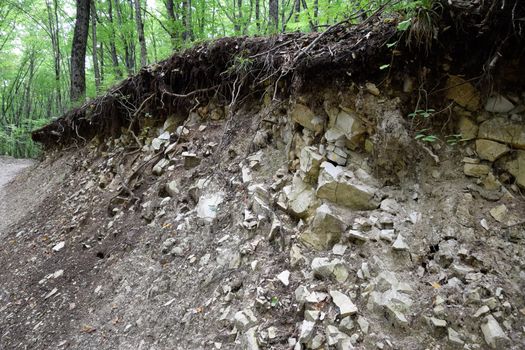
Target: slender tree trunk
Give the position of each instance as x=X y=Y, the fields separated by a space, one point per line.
x=274 y=15
x=55 y=43
x=140 y=33
x=96 y=69
x=185 y=21
x=297 y=6
x=112 y=45
x=170 y=9
x=258 y=15
x=101 y=55
x=78 y=51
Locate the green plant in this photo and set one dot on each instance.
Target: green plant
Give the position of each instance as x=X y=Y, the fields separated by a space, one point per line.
x=422 y=113
x=454 y=139
x=422 y=135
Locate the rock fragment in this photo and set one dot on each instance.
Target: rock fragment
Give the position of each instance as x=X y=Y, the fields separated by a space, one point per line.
x=493 y=333
x=343 y=302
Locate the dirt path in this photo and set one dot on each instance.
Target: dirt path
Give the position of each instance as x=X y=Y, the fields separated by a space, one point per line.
x=9 y=167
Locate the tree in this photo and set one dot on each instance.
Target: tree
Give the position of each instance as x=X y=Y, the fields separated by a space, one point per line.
x=274 y=15
x=140 y=32
x=78 y=51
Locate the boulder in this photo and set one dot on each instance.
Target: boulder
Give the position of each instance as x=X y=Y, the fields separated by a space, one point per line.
x=463 y=93
x=503 y=130
x=343 y=187
x=208 y=206
x=305 y=117
x=490 y=150
x=325 y=230
x=517 y=168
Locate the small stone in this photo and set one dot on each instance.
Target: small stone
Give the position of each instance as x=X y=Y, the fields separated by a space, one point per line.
x=493 y=334
x=172 y=188
x=463 y=93
x=454 y=337
x=339 y=249
x=250 y=339
x=191 y=160
x=343 y=302
x=498 y=104
x=307 y=331
x=354 y=235
x=322 y=267
x=158 y=169
x=363 y=324
x=301 y=293
x=372 y=88
x=476 y=170
x=347 y=324
x=311 y=315
x=244 y=319
x=51 y=293
x=482 y=311
x=467 y=128
x=438 y=323
x=400 y=244
x=284 y=277
x=58 y=247
x=387 y=235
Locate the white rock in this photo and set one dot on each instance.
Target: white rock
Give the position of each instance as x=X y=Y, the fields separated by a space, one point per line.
x=244 y=319
x=400 y=244
x=284 y=277
x=493 y=334
x=59 y=246
x=208 y=206
x=343 y=302
x=307 y=331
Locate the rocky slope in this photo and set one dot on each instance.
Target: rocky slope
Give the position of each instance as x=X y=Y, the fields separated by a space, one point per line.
x=249 y=195
x=311 y=223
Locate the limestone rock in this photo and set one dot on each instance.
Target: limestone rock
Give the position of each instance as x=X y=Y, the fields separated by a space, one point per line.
x=467 y=128
x=498 y=104
x=343 y=187
x=244 y=319
x=307 y=331
x=349 y=124
x=301 y=198
x=490 y=150
x=463 y=93
x=516 y=168
x=158 y=169
x=454 y=337
x=503 y=130
x=310 y=162
x=250 y=339
x=325 y=230
x=400 y=244
x=208 y=206
x=172 y=188
x=343 y=302
x=476 y=170
x=305 y=117
x=493 y=334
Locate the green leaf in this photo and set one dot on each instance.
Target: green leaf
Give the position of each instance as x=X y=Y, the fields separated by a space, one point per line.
x=384 y=66
x=391 y=44
x=404 y=25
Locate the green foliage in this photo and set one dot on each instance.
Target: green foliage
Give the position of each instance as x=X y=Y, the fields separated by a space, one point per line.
x=423 y=135
x=36 y=35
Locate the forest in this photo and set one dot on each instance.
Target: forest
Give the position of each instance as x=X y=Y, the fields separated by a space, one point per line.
x=56 y=54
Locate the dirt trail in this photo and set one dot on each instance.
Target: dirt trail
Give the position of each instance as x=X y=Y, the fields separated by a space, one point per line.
x=9 y=168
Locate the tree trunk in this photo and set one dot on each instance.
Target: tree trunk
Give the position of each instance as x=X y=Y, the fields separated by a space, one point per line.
x=96 y=69
x=170 y=9
x=274 y=15
x=140 y=32
x=78 y=51
x=112 y=45
x=258 y=15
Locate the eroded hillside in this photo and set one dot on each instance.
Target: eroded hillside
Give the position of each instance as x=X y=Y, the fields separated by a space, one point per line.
x=281 y=202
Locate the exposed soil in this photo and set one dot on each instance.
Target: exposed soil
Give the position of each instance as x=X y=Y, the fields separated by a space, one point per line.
x=9 y=168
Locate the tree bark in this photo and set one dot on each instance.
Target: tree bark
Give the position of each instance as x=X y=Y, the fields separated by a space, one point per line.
x=274 y=15
x=78 y=51
x=140 y=32
x=112 y=45
x=96 y=69
x=258 y=15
